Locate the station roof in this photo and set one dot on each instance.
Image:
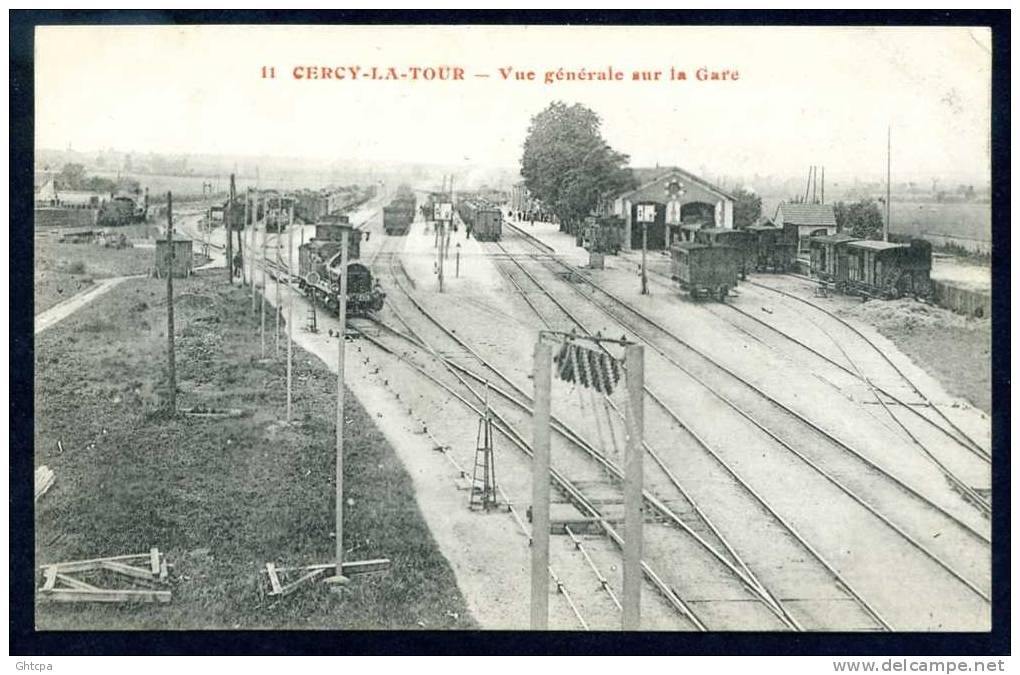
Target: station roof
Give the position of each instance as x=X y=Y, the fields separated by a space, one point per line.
x=837 y=238
x=646 y=176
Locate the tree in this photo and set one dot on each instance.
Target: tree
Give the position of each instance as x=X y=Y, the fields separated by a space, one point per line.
x=746 y=208
x=862 y=218
x=71 y=177
x=568 y=166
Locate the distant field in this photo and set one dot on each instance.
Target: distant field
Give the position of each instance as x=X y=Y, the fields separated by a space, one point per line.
x=191 y=186
x=966 y=224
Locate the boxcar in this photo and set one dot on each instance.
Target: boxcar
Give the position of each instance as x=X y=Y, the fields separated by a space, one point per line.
x=741 y=240
x=773 y=251
x=884 y=269
x=483 y=220
x=705 y=271
x=826 y=252
x=602 y=235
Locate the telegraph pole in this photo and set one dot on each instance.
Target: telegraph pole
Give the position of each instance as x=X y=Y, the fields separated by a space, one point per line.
x=171 y=361
x=279 y=310
x=633 y=486
x=540 y=488
x=290 y=311
x=251 y=249
x=262 y=295
x=644 y=258
x=344 y=244
x=888 y=181
x=228 y=227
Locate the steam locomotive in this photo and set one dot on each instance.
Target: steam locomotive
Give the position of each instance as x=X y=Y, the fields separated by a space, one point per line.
x=319 y=271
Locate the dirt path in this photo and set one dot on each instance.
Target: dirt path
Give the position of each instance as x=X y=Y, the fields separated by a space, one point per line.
x=61 y=311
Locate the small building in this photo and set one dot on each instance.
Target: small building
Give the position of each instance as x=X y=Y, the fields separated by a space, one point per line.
x=679 y=198
x=809 y=219
x=182 y=258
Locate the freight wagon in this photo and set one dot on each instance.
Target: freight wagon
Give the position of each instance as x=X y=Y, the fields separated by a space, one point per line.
x=774 y=249
x=741 y=240
x=878 y=269
x=705 y=271
x=484 y=221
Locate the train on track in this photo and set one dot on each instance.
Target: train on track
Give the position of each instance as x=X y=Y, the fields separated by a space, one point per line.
x=877 y=269
x=123 y=209
x=319 y=271
x=399 y=213
x=483 y=219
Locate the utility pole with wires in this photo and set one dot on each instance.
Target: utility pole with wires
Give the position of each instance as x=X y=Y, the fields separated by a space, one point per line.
x=587 y=362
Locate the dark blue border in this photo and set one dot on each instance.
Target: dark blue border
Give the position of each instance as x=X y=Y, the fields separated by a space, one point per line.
x=25 y=641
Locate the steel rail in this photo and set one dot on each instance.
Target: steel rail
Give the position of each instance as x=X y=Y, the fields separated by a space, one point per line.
x=975 y=446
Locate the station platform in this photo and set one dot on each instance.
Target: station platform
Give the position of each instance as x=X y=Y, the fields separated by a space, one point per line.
x=467 y=268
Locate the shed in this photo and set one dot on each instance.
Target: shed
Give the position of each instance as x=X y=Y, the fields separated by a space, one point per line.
x=808 y=219
x=182 y=261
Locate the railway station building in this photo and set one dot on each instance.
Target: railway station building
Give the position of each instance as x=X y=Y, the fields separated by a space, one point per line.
x=679 y=197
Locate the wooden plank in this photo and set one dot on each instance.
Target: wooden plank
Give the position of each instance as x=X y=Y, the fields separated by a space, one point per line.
x=86 y=565
x=310 y=576
x=76 y=583
x=51 y=579
x=126 y=570
x=350 y=568
x=274 y=580
x=163 y=570
x=154 y=561
x=103 y=595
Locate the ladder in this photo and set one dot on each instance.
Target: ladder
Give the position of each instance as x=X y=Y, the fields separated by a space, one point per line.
x=483 y=478
x=312 y=324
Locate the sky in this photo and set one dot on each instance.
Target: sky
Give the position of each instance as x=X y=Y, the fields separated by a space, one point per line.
x=804 y=95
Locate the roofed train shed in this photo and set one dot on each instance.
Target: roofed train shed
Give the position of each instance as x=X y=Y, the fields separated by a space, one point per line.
x=680 y=198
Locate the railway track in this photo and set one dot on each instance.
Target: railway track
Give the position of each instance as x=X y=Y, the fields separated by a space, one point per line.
x=750 y=501
x=841 y=466
x=950 y=464
x=578 y=466
x=892 y=405
x=953 y=430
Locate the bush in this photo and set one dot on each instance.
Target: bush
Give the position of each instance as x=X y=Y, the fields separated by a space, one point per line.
x=77 y=267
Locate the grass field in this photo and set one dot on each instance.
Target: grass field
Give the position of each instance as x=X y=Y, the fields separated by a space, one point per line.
x=956 y=350
x=62 y=269
x=220 y=497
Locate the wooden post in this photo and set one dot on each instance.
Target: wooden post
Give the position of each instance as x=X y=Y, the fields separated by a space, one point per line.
x=344 y=243
x=262 y=294
x=888 y=182
x=171 y=361
x=240 y=238
x=540 y=489
x=228 y=228
x=290 y=312
x=644 y=258
x=441 y=234
x=279 y=310
x=633 y=486
x=251 y=248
